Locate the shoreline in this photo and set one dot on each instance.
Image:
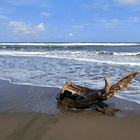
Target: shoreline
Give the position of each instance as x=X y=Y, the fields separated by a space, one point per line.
x=16 y=95
x=27 y=98
x=19 y=120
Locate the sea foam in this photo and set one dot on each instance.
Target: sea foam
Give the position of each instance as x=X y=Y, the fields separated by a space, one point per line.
x=70 y=44
x=60 y=56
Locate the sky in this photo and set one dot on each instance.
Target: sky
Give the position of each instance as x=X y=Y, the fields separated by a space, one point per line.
x=69 y=20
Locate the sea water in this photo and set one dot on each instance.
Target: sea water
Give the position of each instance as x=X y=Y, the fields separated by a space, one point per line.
x=52 y=64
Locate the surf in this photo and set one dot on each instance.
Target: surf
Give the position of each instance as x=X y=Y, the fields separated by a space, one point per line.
x=66 y=57
x=68 y=44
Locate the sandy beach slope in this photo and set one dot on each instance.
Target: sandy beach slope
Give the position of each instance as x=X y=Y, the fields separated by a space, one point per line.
x=23 y=117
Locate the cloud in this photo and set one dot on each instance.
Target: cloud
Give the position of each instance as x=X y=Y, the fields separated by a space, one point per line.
x=78 y=26
x=128 y=1
x=113 y=23
x=103 y=23
x=45 y=14
x=71 y=35
x=98 y=5
x=29 y=3
x=134 y=19
x=40 y=27
x=23 y=28
x=3 y=17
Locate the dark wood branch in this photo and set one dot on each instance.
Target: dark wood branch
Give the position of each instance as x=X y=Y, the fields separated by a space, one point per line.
x=122 y=83
x=75 y=96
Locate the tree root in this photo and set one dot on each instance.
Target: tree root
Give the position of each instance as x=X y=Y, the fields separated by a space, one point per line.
x=75 y=96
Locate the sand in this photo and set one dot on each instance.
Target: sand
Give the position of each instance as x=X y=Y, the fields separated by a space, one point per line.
x=22 y=119
x=67 y=127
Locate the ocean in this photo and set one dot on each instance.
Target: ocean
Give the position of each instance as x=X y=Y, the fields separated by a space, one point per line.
x=52 y=64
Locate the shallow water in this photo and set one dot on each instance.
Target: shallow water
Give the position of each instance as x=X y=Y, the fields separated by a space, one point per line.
x=85 y=64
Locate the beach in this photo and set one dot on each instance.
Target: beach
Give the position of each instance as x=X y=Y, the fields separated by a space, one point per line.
x=30 y=126
x=21 y=119
x=69 y=70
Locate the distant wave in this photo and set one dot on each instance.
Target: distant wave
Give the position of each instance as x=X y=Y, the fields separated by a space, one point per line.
x=107 y=62
x=21 y=52
x=118 y=53
x=70 y=44
x=59 y=56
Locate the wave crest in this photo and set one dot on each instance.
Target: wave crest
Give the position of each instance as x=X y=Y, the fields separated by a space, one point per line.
x=118 y=53
x=61 y=56
x=70 y=44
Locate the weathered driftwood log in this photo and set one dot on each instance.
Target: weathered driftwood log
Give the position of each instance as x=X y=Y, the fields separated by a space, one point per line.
x=75 y=96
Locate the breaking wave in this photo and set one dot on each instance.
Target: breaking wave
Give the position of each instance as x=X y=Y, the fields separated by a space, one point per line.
x=118 y=53
x=65 y=55
x=70 y=44
x=42 y=53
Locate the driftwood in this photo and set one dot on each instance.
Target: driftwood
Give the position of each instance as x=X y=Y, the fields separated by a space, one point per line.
x=79 y=97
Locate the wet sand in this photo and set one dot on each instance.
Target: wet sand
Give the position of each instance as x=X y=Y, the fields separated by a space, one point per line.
x=31 y=113
x=67 y=127
x=27 y=98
